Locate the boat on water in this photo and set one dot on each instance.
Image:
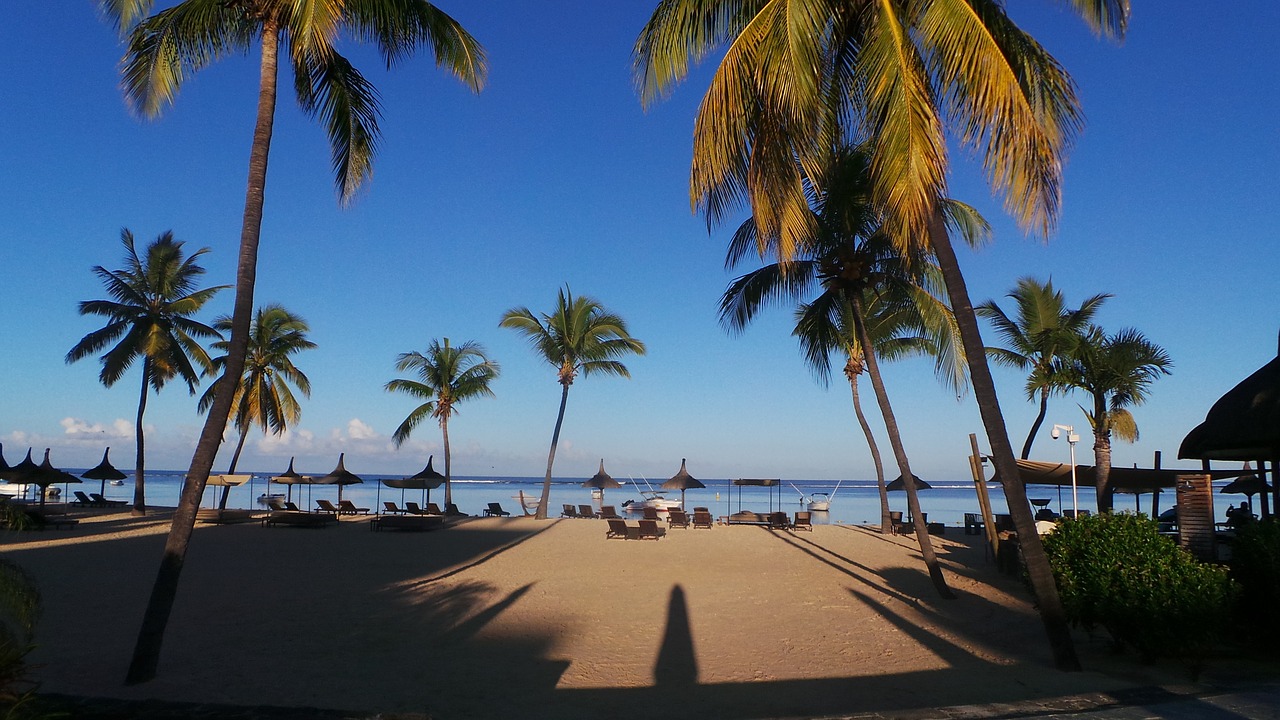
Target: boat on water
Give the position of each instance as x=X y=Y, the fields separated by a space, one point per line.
x=266 y=498
x=818 y=501
x=650 y=499
x=116 y=483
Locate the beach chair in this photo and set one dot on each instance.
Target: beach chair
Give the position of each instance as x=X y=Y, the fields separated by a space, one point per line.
x=451 y=510
x=83 y=500
x=103 y=502
x=617 y=529
x=649 y=530
x=677 y=518
x=433 y=509
x=298 y=518
x=778 y=521
x=413 y=508
x=973 y=524
x=702 y=518
x=609 y=512
x=324 y=506
x=276 y=504
x=569 y=511
x=803 y=521
x=495 y=510
x=292 y=506
x=585 y=511
x=392 y=508
x=650 y=513
x=346 y=507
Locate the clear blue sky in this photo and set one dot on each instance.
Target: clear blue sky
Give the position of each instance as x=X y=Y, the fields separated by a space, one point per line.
x=554 y=174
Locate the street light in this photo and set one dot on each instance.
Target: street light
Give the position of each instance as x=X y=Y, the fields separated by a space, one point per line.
x=1072 y=439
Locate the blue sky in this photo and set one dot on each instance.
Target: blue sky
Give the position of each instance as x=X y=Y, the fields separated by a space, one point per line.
x=554 y=174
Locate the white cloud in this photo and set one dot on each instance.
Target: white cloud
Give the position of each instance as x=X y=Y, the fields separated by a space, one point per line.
x=357 y=429
x=77 y=429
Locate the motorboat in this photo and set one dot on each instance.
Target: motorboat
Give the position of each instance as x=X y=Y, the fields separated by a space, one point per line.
x=266 y=498
x=650 y=499
x=818 y=501
x=116 y=483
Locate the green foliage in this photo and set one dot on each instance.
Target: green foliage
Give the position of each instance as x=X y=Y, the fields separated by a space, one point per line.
x=14 y=517
x=19 y=613
x=1255 y=564
x=1117 y=572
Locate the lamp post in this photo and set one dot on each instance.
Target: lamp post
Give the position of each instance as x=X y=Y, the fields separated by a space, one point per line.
x=1072 y=439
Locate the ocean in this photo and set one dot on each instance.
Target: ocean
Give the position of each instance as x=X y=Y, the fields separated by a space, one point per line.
x=855 y=502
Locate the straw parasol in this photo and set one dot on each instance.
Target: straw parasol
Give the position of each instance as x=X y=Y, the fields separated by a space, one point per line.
x=288 y=477
x=45 y=474
x=602 y=481
x=680 y=481
x=21 y=473
x=426 y=480
x=104 y=472
x=340 y=477
x=898 y=485
x=1247 y=485
x=6 y=472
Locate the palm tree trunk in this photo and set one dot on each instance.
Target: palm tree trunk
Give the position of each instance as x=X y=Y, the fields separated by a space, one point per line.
x=1035 y=426
x=899 y=452
x=139 y=465
x=551 y=456
x=448 y=464
x=886 y=526
x=146 y=651
x=231 y=469
x=1102 y=454
x=1039 y=573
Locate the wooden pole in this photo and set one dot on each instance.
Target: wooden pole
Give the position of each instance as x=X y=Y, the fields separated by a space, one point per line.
x=984 y=499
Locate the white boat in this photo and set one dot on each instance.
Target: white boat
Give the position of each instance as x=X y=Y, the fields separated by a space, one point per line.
x=266 y=498
x=116 y=483
x=651 y=499
x=818 y=501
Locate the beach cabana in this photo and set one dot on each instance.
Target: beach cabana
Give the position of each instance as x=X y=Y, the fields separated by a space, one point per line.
x=1244 y=424
x=741 y=483
x=900 y=485
x=680 y=481
x=104 y=471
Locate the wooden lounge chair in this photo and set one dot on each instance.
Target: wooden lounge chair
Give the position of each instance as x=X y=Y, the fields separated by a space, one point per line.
x=433 y=509
x=677 y=518
x=650 y=513
x=702 y=519
x=392 y=508
x=83 y=500
x=649 y=530
x=346 y=507
x=495 y=510
x=324 y=506
x=803 y=521
x=451 y=510
x=410 y=523
x=609 y=512
x=275 y=504
x=585 y=511
x=569 y=511
x=292 y=507
x=229 y=516
x=973 y=524
x=100 y=501
x=617 y=529
x=298 y=518
x=413 y=508
x=779 y=521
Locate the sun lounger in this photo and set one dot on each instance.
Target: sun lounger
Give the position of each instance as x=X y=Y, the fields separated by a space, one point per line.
x=433 y=509
x=702 y=519
x=451 y=510
x=346 y=507
x=495 y=510
x=617 y=529
x=803 y=521
x=779 y=521
x=298 y=518
x=41 y=520
x=410 y=523
x=585 y=511
x=276 y=504
x=392 y=508
x=324 y=506
x=82 y=500
x=103 y=502
x=292 y=507
x=214 y=516
x=609 y=512
x=649 y=530
x=568 y=511
x=650 y=513
x=677 y=518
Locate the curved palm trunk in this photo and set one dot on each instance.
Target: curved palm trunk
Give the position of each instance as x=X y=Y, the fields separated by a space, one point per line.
x=139 y=466
x=448 y=464
x=1039 y=573
x=900 y=453
x=146 y=652
x=1035 y=426
x=885 y=524
x=1102 y=454
x=551 y=457
x=231 y=469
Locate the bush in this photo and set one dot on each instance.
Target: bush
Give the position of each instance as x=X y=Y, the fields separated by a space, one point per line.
x=19 y=612
x=1117 y=572
x=1255 y=565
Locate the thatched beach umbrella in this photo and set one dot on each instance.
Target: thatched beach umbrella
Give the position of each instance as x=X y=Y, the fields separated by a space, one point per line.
x=22 y=473
x=340 y=477
x=602 y=481
x=900 y=485
x=426 y=480
x=45 y=474
x=288 y=477
x=104 y=472
x=680 y=481
x=1247 y=485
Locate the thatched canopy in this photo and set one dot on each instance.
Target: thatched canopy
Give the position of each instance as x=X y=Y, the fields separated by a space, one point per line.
x=899 y=485
x=681 y=480
x=1244 y=424
x=426 y=479
x=1123 y=479
x=602 y=480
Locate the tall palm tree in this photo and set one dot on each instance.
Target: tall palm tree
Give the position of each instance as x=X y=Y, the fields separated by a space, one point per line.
x=853 y=264
x=170 y=46
x=262 y=397
x=1038 y=338
x=1116 y=371
x=797 y=74
x=447 y=375
x=578 y=337
x=149 y=319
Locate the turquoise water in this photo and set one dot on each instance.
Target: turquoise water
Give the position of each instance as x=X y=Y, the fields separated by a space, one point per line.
x=856 y=502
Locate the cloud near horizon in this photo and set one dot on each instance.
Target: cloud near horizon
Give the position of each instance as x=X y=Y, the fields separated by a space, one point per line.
x=78 y=429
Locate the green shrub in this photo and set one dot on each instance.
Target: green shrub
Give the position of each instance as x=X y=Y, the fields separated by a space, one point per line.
x=1255 y=565
x=1116 y=572
x=19 y=612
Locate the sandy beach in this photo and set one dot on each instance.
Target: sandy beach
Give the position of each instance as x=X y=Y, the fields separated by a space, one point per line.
x=516 y=617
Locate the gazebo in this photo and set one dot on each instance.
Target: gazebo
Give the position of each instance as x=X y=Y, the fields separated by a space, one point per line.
x=1244 y=424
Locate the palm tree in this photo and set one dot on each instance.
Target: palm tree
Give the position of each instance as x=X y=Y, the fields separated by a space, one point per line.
x=1116 y=371
x=797 y=74
x=172 y=45
x=577 y=337
x=1038 y=338
x=447 y=375
x=149 y=319
x=262 y=397
x=855 y=265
